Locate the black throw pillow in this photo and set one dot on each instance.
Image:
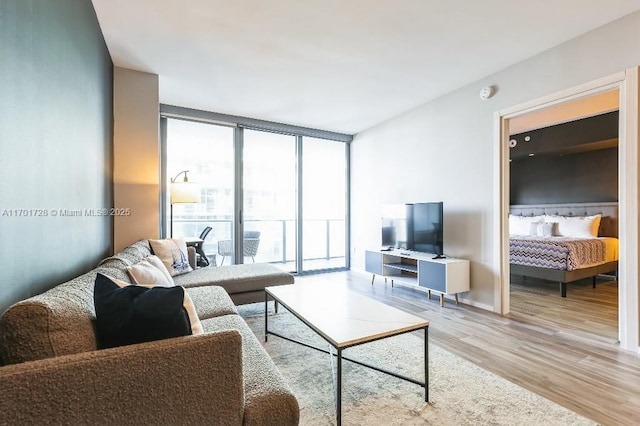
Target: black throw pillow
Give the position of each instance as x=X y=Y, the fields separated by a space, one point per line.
x=136 y=314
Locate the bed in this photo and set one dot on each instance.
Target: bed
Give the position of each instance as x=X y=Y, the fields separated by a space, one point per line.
x=564 y=259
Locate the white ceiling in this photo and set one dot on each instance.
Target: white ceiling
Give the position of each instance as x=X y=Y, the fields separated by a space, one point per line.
x=565 y=112
x=340 y=65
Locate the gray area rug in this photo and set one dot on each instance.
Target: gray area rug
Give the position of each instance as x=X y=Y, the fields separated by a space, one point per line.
x=460 y=392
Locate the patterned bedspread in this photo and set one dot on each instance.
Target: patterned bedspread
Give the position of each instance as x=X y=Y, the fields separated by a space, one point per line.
x=556 y=252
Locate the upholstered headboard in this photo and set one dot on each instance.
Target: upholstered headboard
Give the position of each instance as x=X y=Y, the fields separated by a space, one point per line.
x=609 y=212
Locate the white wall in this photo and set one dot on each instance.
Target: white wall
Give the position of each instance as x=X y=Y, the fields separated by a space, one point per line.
x=443 y=151
x=136 y=156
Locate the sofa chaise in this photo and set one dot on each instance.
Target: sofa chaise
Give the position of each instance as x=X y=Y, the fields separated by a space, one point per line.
x=54 y=373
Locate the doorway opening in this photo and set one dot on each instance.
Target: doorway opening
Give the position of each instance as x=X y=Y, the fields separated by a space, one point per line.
x=626 y=83
x=563 y=160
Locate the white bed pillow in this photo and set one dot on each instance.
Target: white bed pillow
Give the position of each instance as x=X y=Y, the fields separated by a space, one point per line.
x=521 y=225
x=575 y=226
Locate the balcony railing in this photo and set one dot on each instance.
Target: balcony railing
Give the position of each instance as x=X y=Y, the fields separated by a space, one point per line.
x=323 y=239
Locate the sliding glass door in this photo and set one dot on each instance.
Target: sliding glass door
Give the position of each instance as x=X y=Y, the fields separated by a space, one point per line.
x=206 y=152
x=269 y=190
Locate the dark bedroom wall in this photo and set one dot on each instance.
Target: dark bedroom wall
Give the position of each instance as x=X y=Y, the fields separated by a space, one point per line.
x=572 y=178
x=56 y=127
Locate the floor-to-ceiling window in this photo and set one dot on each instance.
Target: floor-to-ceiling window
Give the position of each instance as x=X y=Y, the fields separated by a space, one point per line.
x=206 y=152
x=271 y=195
x=324 y=182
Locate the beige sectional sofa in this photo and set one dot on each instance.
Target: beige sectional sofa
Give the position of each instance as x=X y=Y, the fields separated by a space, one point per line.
x=54 y=373
x=243 y=283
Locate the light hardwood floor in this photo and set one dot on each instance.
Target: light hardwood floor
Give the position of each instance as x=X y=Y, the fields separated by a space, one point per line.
x=563 y=349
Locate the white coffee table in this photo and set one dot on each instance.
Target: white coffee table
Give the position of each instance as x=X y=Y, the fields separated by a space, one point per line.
x=345 y=319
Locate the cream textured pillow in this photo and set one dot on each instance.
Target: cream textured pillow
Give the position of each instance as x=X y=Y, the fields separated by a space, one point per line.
x=155 y=261
x=196 y=325
x=149 y=271
x=173 y=254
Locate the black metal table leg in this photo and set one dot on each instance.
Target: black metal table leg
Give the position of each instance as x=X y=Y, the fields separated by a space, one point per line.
x=266 y=315
x=426 y=364
x=339 y=389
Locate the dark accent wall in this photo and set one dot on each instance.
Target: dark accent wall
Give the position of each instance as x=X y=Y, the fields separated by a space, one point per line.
x=571 y=178
x=56 y=125
x=572 y=162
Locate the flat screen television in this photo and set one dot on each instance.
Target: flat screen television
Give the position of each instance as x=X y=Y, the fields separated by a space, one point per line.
x=427 y=228
x=415 y=226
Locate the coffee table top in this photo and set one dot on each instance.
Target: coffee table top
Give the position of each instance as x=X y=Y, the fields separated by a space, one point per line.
x=342 y=317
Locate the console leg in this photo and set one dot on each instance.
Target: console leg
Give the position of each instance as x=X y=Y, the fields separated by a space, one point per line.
x=456 y=298
x=429 y=293
x=391 y=283
x=275 y=306
x=441 y=300
x=373 y=279
x=563 y=289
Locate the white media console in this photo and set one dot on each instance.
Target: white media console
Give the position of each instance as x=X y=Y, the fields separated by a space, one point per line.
x=445 y=276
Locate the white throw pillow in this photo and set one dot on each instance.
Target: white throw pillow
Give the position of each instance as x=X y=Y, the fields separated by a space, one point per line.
x=521 y=225
x=155 y=261
x=150 y=271
x=576 y=226
x=173 y=254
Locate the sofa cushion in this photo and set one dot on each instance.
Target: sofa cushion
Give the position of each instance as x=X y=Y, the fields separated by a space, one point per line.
x=268 y=398
x=150 y=271
x=173 y=253
x=134 y=314
x=236 y=278
x=211 y=301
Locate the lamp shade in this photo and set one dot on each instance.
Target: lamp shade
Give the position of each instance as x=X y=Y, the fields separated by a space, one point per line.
x=185 y=192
